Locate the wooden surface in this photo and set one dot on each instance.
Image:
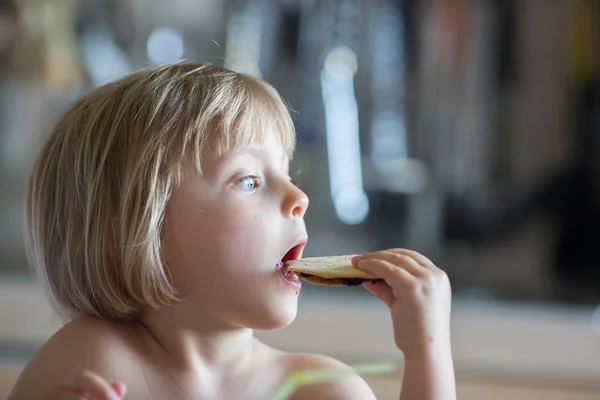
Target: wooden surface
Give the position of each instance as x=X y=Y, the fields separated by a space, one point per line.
x=387 y=388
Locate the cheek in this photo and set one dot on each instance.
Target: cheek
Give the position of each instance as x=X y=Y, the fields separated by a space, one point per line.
x=220 y=243
x=237 y=235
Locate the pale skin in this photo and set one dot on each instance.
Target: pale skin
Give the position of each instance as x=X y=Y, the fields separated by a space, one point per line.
x=226 y=229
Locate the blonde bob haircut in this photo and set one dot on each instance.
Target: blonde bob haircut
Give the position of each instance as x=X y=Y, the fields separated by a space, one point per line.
x=100 y=185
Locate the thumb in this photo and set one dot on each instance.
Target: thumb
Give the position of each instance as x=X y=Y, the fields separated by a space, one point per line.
x=381 y=290
x=120 y=388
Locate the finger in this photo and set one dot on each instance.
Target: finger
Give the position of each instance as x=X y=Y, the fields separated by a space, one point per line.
x=89 y=383
x=427 y=264
x=398 y=278
x=381 y=290
x=398 y=259
x=418 y=257
x=120 y=388
x=403 y=260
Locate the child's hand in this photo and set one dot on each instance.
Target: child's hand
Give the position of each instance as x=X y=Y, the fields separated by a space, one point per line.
x=418 y=295
x=89 y=386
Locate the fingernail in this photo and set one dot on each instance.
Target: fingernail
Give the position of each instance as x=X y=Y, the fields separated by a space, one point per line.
x=119 y=388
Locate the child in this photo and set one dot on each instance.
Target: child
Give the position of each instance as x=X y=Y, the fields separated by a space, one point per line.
x=158 y=213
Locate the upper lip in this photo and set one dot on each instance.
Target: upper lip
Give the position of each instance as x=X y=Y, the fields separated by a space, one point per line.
x=295 y=251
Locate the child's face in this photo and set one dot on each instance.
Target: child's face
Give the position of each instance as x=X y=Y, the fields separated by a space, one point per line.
x=226 y=231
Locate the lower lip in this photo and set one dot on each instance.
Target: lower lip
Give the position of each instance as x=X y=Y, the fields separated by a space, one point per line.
x=289 y=277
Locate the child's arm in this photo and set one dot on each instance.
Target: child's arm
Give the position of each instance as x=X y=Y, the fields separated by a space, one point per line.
x=429 y=376
x=419 y=297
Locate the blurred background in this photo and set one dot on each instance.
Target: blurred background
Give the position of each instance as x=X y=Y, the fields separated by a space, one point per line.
x=468 y=130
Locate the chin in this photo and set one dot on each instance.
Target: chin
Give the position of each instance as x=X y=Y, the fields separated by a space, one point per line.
x=286 y=318
x=276 y=317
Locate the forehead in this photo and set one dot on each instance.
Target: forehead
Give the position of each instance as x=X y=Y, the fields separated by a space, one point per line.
x=260 y=132
x=264 y=136
x=268 y=147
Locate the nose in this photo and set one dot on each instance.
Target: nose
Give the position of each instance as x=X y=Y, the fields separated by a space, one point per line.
x=295 y=203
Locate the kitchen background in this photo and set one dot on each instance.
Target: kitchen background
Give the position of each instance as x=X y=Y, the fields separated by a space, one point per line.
x=468 y=130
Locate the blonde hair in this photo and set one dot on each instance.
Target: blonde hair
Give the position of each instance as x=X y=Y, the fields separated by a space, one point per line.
x=100 y=185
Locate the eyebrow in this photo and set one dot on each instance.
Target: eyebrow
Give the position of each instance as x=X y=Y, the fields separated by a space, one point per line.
x=240 y=152
x=253 y=151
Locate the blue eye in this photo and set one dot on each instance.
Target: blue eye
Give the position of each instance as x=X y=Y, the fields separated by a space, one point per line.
x=248 y=183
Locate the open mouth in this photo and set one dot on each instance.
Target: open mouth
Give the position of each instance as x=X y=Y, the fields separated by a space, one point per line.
x=293 y=254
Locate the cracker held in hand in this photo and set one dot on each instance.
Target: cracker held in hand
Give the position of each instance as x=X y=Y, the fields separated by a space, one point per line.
x=329 y=271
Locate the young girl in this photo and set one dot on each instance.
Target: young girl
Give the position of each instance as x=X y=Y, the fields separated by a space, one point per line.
x=158 y=213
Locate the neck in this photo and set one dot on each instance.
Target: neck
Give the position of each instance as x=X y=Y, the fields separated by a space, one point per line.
x=194 y=345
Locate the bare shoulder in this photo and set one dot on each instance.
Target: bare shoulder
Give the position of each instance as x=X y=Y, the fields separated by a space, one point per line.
x=348 y=388
x=82 y=344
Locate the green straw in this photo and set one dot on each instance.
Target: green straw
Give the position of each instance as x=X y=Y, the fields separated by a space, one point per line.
x=313 y=376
